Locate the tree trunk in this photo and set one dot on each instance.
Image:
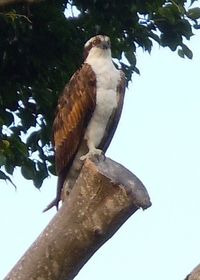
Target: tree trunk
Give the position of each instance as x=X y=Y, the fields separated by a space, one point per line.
x=102 y=199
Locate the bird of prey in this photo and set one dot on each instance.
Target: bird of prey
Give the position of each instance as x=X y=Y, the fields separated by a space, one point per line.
x=87 y=114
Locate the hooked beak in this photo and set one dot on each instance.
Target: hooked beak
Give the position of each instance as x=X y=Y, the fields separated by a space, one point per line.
x=105 y=45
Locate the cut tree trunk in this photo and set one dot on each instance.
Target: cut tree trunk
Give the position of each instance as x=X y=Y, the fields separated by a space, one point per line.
x=195 y=274
x=102 y=199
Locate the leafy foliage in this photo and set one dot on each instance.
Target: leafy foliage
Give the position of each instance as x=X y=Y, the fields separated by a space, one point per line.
x=41 y=48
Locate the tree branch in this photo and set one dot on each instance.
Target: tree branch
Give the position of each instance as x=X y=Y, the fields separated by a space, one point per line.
x=103 y=198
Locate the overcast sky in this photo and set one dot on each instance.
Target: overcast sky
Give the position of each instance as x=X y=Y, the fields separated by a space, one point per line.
x=158 y=139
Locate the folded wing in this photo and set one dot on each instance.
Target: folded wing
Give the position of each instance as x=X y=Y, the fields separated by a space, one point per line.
x=74 y=110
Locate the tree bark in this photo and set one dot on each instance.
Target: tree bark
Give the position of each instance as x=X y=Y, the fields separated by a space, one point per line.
x=195 y=274
x=102 y=199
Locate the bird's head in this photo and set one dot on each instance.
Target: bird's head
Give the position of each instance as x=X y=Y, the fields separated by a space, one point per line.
x=98 y=45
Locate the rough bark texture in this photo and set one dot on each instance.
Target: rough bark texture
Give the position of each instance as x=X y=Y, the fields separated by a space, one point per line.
x=103 y=198
x=195 y=274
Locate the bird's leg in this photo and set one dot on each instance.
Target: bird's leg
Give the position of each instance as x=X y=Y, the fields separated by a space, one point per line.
x=93 y=151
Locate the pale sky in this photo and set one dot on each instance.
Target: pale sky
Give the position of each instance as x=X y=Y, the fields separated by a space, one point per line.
x=158 y=139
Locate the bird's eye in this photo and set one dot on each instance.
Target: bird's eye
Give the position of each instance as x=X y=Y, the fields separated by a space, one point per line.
x=95 y=42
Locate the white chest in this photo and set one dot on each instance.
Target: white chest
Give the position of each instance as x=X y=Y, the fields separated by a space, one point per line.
x=107 y=79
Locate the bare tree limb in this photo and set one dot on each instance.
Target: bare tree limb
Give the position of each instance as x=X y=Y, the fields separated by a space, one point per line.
x=103 y=198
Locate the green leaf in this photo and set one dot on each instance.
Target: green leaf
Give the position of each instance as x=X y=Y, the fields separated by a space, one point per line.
x=22 y=148
x=38 y=182
x=32 y=140
x=5 y=177
x=28 y=170
x=196 y=26
x=41 y=174
x=4 y=145
x=9 y=168
x=187 y=51
x=2 y=159
x=7 y=118
x=192 y=1
x=136 y=70
x=194 y=13
x=130 y=56
x=181 y=53
x=52 y=170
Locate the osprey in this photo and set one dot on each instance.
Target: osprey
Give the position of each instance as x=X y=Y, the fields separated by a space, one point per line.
x=87 y=114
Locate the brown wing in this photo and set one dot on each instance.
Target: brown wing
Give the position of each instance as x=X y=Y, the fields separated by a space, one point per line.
x=74 y=110
x=116 y=114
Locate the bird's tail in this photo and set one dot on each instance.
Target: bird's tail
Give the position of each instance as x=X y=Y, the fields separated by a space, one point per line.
x=55 y=202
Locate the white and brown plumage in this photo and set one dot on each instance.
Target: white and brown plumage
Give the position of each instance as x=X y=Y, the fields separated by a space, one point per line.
x=88 y=112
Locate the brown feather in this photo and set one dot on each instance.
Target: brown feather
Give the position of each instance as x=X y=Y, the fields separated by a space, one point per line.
x=75 y=108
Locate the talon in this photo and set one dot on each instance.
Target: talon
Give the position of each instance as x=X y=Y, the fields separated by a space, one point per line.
x=82 y=158
x=91 y=153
